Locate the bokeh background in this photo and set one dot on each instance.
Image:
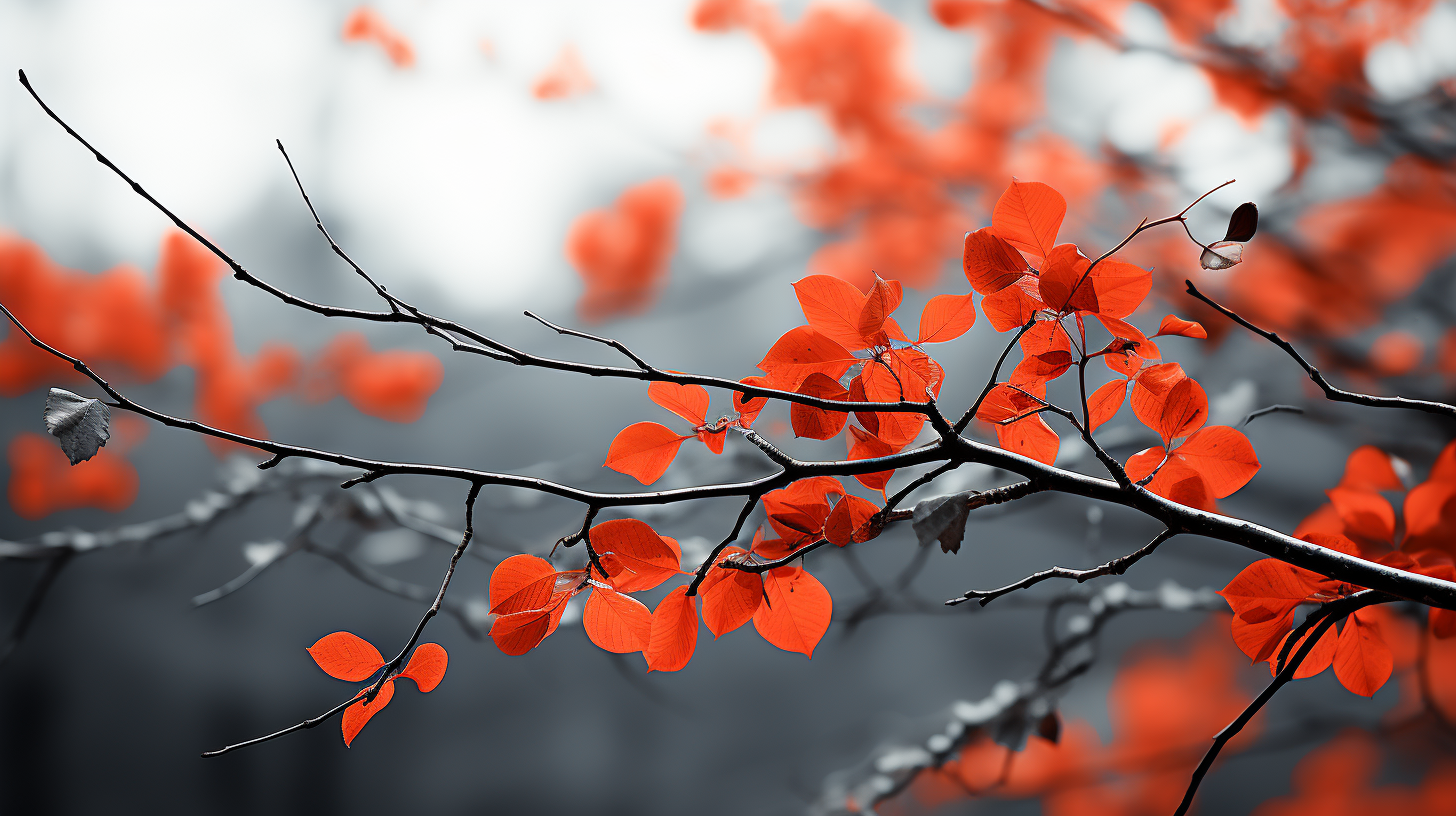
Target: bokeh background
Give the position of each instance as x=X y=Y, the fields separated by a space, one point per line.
x=659 y=172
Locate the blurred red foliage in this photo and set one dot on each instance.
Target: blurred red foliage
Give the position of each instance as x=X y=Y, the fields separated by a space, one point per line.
x=622 y=251
x=366 y=25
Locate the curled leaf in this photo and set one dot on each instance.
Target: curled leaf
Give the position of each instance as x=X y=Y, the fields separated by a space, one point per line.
x=1243 y=223
x=1222 y=255
x=83 y=425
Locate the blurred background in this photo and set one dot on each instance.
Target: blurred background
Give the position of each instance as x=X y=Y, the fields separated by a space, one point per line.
x=658 y=172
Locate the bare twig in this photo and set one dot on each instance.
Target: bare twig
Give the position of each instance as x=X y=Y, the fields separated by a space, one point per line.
x=1116 y=566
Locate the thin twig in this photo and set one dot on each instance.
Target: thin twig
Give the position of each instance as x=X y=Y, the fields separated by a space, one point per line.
x=1272 y=409
x=1116 y=566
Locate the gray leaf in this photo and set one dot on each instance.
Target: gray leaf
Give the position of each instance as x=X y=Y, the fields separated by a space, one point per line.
x=942 y=519
x=83 y=425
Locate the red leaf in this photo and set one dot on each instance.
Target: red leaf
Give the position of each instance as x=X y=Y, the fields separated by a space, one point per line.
x=796 y=610
x=1011 y=307
x=1029 y=215
x=639 y=557
x=900 y=374
x=868 y=446
x=748 y=407
x=1263 y=597
x=1318 y=659
x=1370 y=468
x=1127 y=358
x=1366 y=514
x=616 y=622
x=1062 y=276
x=1168 y=401
x=849 y=521
x=819 y=423
x=687 y=401
x=730 y=596
x=346 y=656
x=1005 y=402
x=946 y=317
x=990 y=263
x=1105 y=402
x=714 y=439
x=1174 y=325
x=521 y=583
x=674 y=632
x=1222 y=456
x=520 y=633
x=644 y=451
x=1362 y=660
x=1119 y=287
x=883 y=298
x=358 y=714
x=426 y=666
x=802 y=351
x=1030 y=437
x=832 y=306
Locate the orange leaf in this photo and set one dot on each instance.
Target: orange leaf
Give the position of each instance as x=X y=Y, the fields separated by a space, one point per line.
x=674 y=632
x=1030 y=437
x=1319 y=658
x=1222 y=456
x=849 y=521
x=730 y=596
x=1119 y=287
x=1370 y=468
x=832 y=306
x=1105 y=402
x=1062 y=285
x=521 y=583
x=883 y=298
x=868 y=446
x=802 y=351
x=819 y=423
x=1366 y=514
x=644 y=451
x=346 y=656
x=687 y=401
x=946 y=317
x=748 y=407
x=796 y=610
x=1174 y=325
x=520 y=633
x=426 y=666
x=990 y=263
x=714 y=439
x=1011 y=307
x=639 y=557
x=1029 y=215
x=1362 y=660
x=616 y=622
x=356 y=715
x=1005 y=402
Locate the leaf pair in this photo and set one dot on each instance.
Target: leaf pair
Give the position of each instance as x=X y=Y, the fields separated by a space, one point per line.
x=789 y=607
x=645 y=450
x=346 y=656
x=1230 y=251
x=529 y=596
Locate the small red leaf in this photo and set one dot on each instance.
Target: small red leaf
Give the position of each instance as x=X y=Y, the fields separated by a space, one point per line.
x=426 y=666
x=849 y=521
x=1105 y=402
x=1174 y=325
x=748 y=407
x=640 y=558
x=1362 y=660
x=730 y=596
x=946 y=317
x=990 y=263
x=674 y=632
x=796 y=610
x=802 y=351
x=358 y=714
x=819 y=423
x=616 y=622
x=644 y=451
x=1029 y=215
x=833 y=307
x=687 y=401
x=346 y=656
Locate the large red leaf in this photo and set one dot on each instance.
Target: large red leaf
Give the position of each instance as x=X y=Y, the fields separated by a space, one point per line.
x=427 y=666
x=1119 y=287
x=1366 y=514
x=687 y=401
x=616 y=622
x=635 y=556
x=946 y=317
x=1030 y=437
x=1029 y=215
x=1362 y=660
x=883 y=298
x=819 y=423
x=358 y=714
x=1064 y=276
x=802 y=351
x=833 y=307
x=521 y=583
x=1105 y=402
x=346 y=656
x=849 y=521
x=1222 y=456
x=644 y=451
x=990 y=263
x=1013 y=306
x=730 y=596
x=674 y=632
x=796 y=610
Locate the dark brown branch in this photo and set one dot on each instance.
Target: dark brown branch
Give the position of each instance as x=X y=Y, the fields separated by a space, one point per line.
x=991 y=383
x=777 y=562
x=1336 y=610
x=1331 y=392
x=1116 y=566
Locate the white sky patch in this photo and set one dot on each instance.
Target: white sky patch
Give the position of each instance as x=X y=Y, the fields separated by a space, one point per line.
x=1400 y=69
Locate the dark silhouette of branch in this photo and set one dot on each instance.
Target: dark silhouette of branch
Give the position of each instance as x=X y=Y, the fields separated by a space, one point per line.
x=1331 y=392
x=1272 y=409
x=1116 y=566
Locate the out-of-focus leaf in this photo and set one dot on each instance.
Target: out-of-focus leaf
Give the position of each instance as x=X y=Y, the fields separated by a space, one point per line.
x=942 y=519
